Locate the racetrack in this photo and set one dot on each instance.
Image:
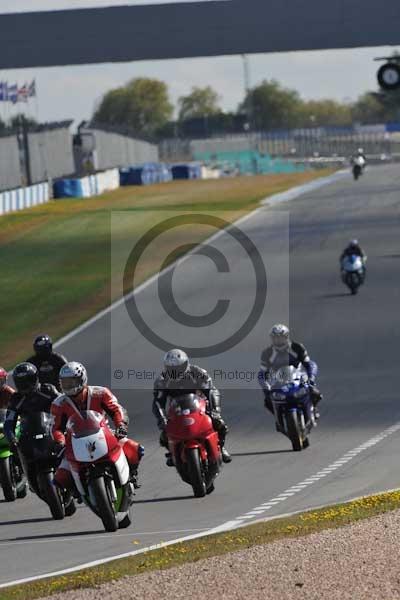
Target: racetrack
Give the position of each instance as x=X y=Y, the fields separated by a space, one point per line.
x=355 y=341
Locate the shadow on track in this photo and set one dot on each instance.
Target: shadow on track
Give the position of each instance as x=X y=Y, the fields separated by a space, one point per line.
x=22 y=521
x=337 y=295
x=261 y=453
x=54 y=536
x=171 y=499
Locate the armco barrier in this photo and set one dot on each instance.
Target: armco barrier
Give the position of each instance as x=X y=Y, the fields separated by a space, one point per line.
x=21 y=198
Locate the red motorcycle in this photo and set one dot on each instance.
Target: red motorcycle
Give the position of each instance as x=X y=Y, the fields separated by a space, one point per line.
x=193 y=443
x=99 y=468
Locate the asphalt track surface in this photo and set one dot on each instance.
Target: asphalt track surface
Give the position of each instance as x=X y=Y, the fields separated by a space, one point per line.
x=355 y=341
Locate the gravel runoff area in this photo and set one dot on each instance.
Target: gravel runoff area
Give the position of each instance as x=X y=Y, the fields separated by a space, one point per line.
x=355 y=562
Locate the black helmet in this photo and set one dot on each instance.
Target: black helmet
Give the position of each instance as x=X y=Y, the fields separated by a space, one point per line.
x=26 y=378
x=43 y=345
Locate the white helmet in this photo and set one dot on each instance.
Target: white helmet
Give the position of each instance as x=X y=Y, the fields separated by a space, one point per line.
x=360 y=151
x=176 y=363
x=73 y=378
x=279 y=335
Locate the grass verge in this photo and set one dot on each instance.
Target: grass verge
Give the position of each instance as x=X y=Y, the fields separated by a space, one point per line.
x=55 y=258
x=164 y=558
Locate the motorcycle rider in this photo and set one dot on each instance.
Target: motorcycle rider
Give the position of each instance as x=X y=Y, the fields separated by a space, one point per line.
x=359 y=154
x=47 y=362
x=284 y=352
x=6 y=391
x=77 y=396
x=180 y=377
x=353 y=248
x=31 y=396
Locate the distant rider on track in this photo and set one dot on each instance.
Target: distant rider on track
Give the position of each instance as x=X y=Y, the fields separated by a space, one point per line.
x=354 y=248
x=47 y=362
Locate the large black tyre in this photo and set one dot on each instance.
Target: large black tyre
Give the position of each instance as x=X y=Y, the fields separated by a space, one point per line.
x=52 y=495
x=195 y=474
x=104 y=504
x=294 y=431
x=7 y=480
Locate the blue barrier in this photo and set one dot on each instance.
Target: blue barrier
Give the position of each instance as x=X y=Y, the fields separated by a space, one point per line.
x=68 y=188
x=145 y=174
x=186 y=171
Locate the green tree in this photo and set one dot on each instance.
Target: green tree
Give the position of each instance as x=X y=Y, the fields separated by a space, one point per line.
x=271 y=106
x=201 y=102
x=325 y=112
x=368 y=109
x=142 y=104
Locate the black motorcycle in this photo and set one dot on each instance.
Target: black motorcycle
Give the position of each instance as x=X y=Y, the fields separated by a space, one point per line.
x=40 y=460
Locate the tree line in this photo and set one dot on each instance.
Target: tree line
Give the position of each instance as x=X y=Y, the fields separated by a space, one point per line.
x=144 y=106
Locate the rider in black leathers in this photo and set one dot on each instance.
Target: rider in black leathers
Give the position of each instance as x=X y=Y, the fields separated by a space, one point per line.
x=179 y=377
x=47 y=362
x=30 y=397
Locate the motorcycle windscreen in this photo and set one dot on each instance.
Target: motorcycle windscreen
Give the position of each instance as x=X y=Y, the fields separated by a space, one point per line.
x=352 y=263
x=185 y=404
x=37 y=423
x=84 y=423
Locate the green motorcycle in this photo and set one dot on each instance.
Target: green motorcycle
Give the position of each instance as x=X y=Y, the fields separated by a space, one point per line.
x=12 y=477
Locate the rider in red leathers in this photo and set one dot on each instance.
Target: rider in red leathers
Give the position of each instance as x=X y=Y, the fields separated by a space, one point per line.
x=6 y=391
x=77 y=396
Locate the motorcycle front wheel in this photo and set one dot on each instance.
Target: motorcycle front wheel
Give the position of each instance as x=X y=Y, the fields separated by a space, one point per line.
x=195 y=474
x=104 y=505
x=294 y=432
x=7 y=480
x=51 y=494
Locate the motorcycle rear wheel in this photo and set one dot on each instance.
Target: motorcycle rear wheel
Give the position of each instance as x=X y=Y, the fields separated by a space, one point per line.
x=195 y=474
x=294 y=431
x=104 y=504
x=51 y=495
x=7 y=480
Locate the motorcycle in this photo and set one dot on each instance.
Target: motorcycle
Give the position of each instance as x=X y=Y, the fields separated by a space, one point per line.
x=358 y=167
x=99 y=468
x=12 y=476
x=353 y=272
x=193 y=443
x=40 y=460
x=293 y=408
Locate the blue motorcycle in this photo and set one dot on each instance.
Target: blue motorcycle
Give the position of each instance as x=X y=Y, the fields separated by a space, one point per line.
x=293 y=408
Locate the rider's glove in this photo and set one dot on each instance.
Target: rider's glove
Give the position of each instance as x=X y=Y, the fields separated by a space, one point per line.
x=162 y=423
x=121 y=431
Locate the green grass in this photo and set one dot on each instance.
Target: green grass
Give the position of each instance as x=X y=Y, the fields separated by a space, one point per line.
x=194 y=550
x=55 y=259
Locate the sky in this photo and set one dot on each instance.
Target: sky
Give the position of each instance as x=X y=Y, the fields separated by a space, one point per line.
x=73 y=92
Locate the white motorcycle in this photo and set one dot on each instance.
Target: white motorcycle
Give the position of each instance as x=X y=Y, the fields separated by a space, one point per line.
x=353 y=272
x=358 y=167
